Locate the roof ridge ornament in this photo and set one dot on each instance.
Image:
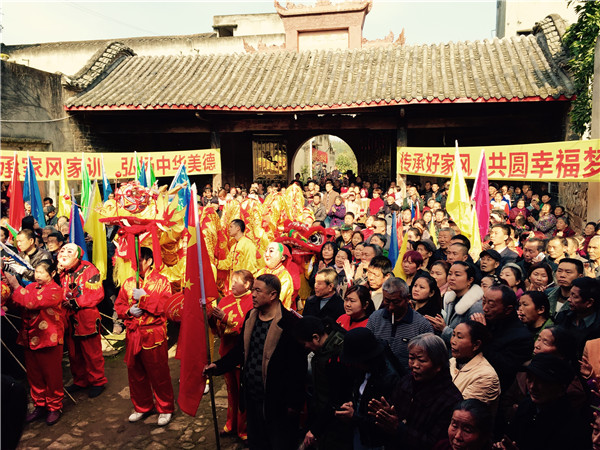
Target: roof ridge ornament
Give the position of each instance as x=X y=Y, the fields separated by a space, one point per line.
x=98 y=66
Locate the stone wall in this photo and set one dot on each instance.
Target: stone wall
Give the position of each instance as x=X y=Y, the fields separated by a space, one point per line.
x=573 y=196
x=32 y=113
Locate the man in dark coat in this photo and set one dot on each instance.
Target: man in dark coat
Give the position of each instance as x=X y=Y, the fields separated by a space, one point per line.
x=325 y=302
x=511 y=343
x=545 y=419
x=273 y=369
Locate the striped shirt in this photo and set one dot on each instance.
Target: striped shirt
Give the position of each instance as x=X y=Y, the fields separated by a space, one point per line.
x=398 y=334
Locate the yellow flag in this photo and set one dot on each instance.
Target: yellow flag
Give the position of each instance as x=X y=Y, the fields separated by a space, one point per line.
x=458 y=203
x=433 y=232
x=97 y=231
x=398 y=270
x=475 y=237
x=64 y=195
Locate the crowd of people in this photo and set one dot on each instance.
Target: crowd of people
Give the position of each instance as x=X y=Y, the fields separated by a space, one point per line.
x=495 y=350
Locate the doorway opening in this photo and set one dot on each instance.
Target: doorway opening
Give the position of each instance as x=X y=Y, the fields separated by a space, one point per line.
x=324 y=156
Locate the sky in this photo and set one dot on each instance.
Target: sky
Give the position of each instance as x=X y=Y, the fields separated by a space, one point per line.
x=424 y=21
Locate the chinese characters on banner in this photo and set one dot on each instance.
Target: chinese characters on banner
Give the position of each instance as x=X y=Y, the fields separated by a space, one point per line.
x=121 y=166
x=551 y=161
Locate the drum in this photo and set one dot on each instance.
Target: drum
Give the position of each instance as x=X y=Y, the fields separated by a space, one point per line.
x=174 y=307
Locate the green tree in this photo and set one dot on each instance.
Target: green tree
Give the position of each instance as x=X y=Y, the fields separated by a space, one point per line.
x=580 y=39
x=345 y=162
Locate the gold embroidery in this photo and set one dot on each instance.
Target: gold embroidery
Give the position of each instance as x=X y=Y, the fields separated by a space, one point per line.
x=43 y=325
x=53 y=337
x=34 y=341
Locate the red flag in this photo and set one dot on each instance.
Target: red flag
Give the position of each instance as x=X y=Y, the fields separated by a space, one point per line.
x=15 y=192
x=200 y=288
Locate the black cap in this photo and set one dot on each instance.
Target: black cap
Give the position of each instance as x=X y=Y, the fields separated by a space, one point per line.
x=427 y=244
x=550 y=368
x=360 y=346
x=492 y=254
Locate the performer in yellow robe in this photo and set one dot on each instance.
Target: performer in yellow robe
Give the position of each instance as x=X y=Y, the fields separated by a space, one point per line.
x=243 y=253
x=274 y=258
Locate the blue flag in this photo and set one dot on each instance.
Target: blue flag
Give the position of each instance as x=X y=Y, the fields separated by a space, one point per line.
x=142 y=175
x=31 y=194
x=106 y=187
x=185 y=193
x=394 y=251
x=76 y=235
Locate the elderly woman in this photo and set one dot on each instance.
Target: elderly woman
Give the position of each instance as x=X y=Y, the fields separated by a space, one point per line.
x=470 y=427
x=518 y=210
x=421 y=405
x=555 y=341
x=471 y=372
x=547 y=221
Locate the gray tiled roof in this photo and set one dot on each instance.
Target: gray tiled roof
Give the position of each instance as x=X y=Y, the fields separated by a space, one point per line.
x=510 y=69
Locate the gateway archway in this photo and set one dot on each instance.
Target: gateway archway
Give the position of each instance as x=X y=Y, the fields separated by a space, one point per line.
x=322 y=155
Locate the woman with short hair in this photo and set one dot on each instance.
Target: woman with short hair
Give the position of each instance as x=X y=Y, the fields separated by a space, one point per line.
x=420 y=409
x=471 y=427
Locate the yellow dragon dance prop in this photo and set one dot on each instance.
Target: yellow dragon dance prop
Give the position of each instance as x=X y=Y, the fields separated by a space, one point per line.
x=145 y=215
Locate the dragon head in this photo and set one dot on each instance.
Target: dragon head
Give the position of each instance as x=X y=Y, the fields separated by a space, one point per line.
x=305 y=240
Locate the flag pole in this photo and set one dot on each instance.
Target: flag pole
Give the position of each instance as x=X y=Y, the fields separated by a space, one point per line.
x=211 y=385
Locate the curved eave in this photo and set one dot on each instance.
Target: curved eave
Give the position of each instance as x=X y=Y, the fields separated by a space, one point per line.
x=316 y=107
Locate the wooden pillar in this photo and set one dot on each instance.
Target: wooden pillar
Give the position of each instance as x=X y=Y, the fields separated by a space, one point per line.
x=215 y=142
x=593 y=212
x=401 y=141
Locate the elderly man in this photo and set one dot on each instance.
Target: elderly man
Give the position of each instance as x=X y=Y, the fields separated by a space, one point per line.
x=83 y=292
x=273 y=368
x=592 y=269
x=546 y=419
x=533 y=251
x=489 y=262
x=511 y=343
x=326 y=302
x=396 y=322
x=444 y=237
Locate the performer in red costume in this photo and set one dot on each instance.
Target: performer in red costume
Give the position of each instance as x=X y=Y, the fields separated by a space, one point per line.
x=42 y=336
x=143 y=311
x=229 y=317
x=82 y=291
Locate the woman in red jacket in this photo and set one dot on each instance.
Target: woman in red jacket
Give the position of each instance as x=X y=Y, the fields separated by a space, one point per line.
x=42 y=336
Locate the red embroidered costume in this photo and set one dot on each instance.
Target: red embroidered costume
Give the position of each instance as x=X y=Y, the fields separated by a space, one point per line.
x=83 y=291
x=42 y=336
x=146 y=356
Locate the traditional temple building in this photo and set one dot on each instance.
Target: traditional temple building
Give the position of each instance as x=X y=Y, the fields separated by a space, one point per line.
x=316 y=75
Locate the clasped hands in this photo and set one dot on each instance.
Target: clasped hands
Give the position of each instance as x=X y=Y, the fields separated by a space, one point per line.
x=135 y=310
x=384 y=415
